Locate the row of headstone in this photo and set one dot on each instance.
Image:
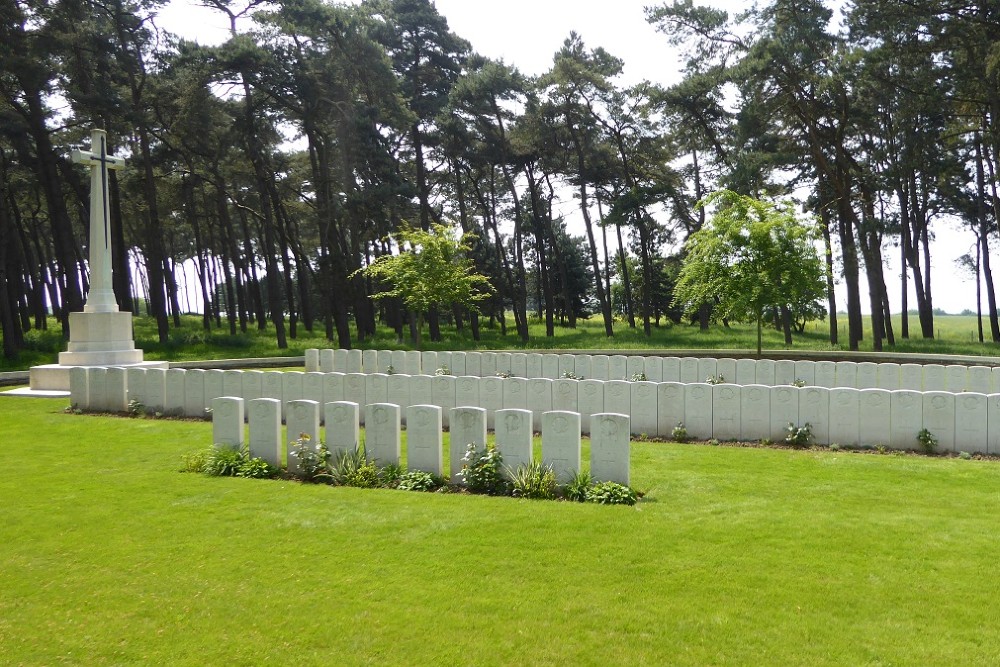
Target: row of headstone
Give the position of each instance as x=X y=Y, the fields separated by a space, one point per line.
x=858 y=375
x=561 y=446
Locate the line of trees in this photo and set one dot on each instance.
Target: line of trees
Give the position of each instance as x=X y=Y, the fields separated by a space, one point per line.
x=281 y=162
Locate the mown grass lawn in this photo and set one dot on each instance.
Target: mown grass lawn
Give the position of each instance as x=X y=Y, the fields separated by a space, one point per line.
x=108 y=555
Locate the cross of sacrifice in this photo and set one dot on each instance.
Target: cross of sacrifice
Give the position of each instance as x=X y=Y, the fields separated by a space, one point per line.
x=101 y=297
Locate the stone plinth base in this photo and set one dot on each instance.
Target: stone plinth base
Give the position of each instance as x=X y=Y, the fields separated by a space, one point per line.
x=100 y=339
x=55 y=377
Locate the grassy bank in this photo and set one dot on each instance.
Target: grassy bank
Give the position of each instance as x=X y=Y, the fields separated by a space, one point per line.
x=736 y=556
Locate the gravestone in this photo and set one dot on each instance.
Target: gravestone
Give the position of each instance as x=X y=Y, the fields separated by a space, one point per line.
x=326 y=361
x=806 y=371
x=384 y=360
x=561 y=443
x=584 y=366
x=333 y=387
x=422 y=386
x=784 y=372
x=725 y=369
x=491 y=397
x=847 y=374
x=312 y=387
x=564 y=395
x=488 y=364
x=253 y=385
x=617 y=367
x=956 y=377
x=194 y=392
x=156 y=390
x=342 y=431
x=312 y=359
x=939 y=418
x=213 y=385
x=340 y=361
x=911 y=376
x=369 y=361
x=567 y=365
x=513 y=438
x=355 y=386
x=135 y=382
x=444 y=362
x=826 y=374
x=642 y=408
x=424 y=442
x=354 y=362
x=993 y=424
x=867 y=375
x=467 y=390
x=503 y=362
x=589 y=401
x=291 y=389
x=814 y=409
x=888 y=376
x=746 y=372
x=232 y=383
x=845 y=416
x=755 y=412
x=227 y=421
x=398 y=361
x=429 y=362
x=539 y=400
x=173 y=392
x=653 y=368
x=533 y=366
x=634 y=365
x=399 y=391
x=520 y=365
x=79 y=393
x=698 y=410
x=671 y=369
x=302 y=420
x=468 y=427
x=264 y=420
x=618 y=397
x=906 y=418
x=874 y=417
x=474 y=364
x=117 y=389
x=515 y=393
x=765 y=372
x=97 y=382
x=980 y=380
x=382 y=434
x=609 y=448
x=599 y=364
x=971 y=423
x=669 y=407
x=707 y=368
x=550 y=366
x=412 y=364
x=443 y=394
x=784 y=410
x=458 y=364
x=376 y=388
x=271 y=386
x=726 y=419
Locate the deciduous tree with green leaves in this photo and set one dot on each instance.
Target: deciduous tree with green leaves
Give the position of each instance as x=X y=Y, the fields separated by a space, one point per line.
x=430 y=270
x=751 y=257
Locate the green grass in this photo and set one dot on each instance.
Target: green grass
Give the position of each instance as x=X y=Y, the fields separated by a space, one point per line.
x=736 y=557
x=956 y=334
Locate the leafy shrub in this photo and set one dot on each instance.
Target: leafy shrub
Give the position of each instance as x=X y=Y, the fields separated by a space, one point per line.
x=927 y=441
x=365 y=476
x=680 y=433
x=638 y=377
x=504 y=374
x=570 y=375
x=136 y=408
x=798 y=436
x=533 y=480
x=253 y=467
x=716 y=379
x=482 y=470
x=576 y=489
x=313 y=459
x=195 y=461
x=965 y=456
x=390 y=475
x=444 y=370
x=344 y=466
x=835 y=447
x=611 y=493
x=418 y=480
x=798 y=382
x=390 y=370
x=223 y=461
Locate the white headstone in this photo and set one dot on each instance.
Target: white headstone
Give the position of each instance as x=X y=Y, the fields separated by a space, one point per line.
x=412 y=365
x=117 y=390
x=302 y=419
x=312 y=359
x=429 y=362
x=993 y=423
x=355 y=390
x=564 y=395
x=567 y=365
x=422 y=387
x=755 y=412
x=911 y=376
x=765 y=372
x=874 y=417
x=671 y=369
x=584 y=366
x=291 y=389
x=398 y=360
x=939 y=418
x=784 y=372
x=906 y=418
x=79 y=388
x=458 y=364
x=847 y=374
x=726 y=419
x=888 y=376
x=618 y=367
x=634 y=365
x=698 y=410
x=467 y=390
x=515 y=393
x=271 y=386
x=173 y=392
x=213 y=385
x=382 y=433
x=443 y=394
x=525 y=365
x=384 y=359
x=326 y=360
x=264 y=418
x=156 y=390
x=725 y=369
x=550 y=366
x=867 y=375
x=424 y=443
x=468 y=427
x=746 y=372
x=312 y=387
x=957 y=377
x=561 y=443
x=97 y=382
x=814 y=409
x=194 y=393
x=399 y=391
x=135 y=381
x=653 y=368
x=589 y=401
x=935 y=378
x=826 y=374
x=354 y=361
x=333 y=387
x=503 y=362
x=488 y=364
x=643 y=401
x=610 y=448
x=491 y=397
x=227 y=421
x=708 y=367
x=369 y=361
x=845 y=414
x=971 y=425
x=343 y=433
x=513 y=437
x=444 y=361
x=340 y=361
x=618 y=397
x=474 y=364
x=806 y=371
x=669 y=407
x=253 y=385
x=539 y=399
x=599 y=367
x=784 y=410
x=232 y=383
x=377 y=388
x=980 y=380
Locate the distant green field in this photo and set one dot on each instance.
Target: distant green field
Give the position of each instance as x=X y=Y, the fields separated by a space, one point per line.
x=955 y=334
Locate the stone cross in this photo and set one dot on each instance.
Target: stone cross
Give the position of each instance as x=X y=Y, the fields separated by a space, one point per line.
x=101 y=298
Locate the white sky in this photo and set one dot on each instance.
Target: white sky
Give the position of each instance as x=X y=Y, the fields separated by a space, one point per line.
x=527 y=33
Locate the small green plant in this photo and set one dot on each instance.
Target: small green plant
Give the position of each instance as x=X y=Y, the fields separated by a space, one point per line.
x=928 y=442
x=390 y=475
x=207 y=414
x=638 y=377
x=196 y=461
x=444 y=370
x=570 y=375
x=533 y=480
x=253 y=467
x=365 y=476
x=390 y=370
x=798 y=382
x=798 y=436
x=965 y=456
x=714 y=442
x=576 y=488
x=611 y=493
x=504 y=374
x=223 y=461
x=881 y=449
x=482 y=470
x=344 y=467
x=418 y=480
x=136 y=408
x=680 y=433
x=835 y=447
x=716 y=379
x=313 y=458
